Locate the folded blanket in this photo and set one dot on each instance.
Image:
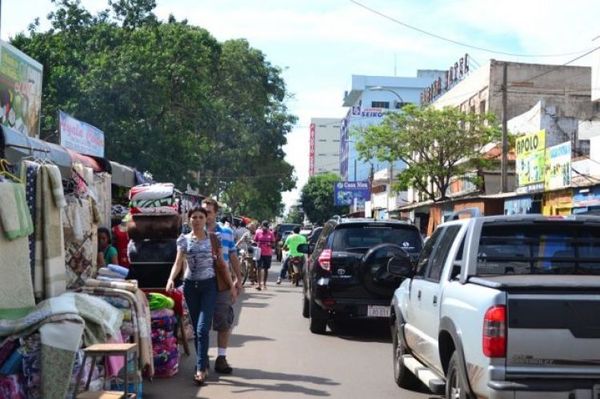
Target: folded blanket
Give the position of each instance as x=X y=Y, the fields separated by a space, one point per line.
x=14 y=213
x=151 y=192
x=61 y=322
x=130 y=285
x=123 y=271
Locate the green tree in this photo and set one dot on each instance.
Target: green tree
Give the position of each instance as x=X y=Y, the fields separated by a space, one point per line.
x=170 y=98
x=437 y=145
x=295 y=215
x=317 y=198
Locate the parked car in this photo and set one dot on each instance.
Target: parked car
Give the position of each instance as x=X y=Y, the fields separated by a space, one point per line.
x=346 y=275
x=280 y=229
x=501 y=307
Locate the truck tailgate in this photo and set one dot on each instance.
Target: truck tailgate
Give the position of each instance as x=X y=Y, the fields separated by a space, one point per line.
x=553 y=331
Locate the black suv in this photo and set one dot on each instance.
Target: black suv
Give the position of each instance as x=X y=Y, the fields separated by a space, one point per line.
x=346 y=275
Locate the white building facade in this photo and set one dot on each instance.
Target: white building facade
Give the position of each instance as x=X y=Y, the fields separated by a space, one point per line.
x=324 y=153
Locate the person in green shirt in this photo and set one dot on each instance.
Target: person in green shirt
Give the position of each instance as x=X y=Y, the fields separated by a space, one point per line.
x=107 y=254
x=291 y=244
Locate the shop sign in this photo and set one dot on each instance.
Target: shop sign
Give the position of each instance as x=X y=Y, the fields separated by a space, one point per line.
x=311 y=161
x=454 y=74
x=20 y=91
x=531 y=153
x=351 y=192
x=368 y=112
x=80 y=136
x=587 y=197
x=558 y=166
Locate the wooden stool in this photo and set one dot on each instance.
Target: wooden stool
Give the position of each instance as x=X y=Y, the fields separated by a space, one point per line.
x=98 y=350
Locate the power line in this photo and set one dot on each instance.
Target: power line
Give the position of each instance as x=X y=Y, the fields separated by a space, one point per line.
x=456 y=41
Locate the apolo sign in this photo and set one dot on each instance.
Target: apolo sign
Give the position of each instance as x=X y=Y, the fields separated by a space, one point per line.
x=531 y=157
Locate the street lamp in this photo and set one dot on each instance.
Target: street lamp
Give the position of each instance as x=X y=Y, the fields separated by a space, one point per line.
x=390 y=167
x=381 y=88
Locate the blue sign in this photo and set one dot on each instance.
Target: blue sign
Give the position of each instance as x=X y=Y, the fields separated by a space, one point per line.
x=347 y=192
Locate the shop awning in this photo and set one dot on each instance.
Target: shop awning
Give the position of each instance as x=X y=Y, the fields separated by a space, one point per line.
x=122 y=175
x=14 y=146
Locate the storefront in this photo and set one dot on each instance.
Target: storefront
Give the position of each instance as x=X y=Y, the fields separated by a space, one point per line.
x=586 y=200
x=557 y=202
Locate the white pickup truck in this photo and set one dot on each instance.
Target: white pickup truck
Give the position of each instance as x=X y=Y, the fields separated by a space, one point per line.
x=502 y=307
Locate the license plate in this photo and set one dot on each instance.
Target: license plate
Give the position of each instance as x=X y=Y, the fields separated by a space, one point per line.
x=378 y=311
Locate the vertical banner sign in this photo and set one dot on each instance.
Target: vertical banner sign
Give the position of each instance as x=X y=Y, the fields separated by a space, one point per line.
x=80 y=136
x=311 y=160
x=531 y=152
x=558 y=166
x=351 y=192
x=20 y=91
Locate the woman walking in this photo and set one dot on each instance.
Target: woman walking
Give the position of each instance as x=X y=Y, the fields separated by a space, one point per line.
x=200 y=284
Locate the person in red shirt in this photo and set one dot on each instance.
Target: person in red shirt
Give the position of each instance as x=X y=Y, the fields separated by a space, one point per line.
x=265 y=239
x=121 y=239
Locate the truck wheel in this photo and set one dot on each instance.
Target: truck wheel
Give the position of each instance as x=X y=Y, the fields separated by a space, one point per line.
x=318 y=319
x=404 y=377
x=455 y=388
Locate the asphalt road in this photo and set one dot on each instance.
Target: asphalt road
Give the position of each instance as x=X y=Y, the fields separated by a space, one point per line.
x=274 y=355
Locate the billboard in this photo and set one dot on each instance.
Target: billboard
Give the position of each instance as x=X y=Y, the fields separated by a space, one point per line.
x=20 y=91
x=531 y=153
x=351 y=193
x=80 y=136
x=558 y=166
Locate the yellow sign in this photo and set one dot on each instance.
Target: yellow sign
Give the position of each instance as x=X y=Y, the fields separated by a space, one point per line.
x=531 y=157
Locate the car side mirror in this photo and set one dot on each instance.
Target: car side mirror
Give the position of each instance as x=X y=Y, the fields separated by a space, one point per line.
x=304 y=248
x=400 y=266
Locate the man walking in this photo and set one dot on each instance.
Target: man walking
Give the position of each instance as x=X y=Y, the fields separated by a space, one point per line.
x=265 y=239
x=223 y=316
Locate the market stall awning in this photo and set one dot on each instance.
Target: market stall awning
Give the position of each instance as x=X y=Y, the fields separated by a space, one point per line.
x=14 y=146
x=122 y=175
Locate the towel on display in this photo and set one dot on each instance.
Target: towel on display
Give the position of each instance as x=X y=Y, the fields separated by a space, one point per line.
x=12 y=386
x=14 y=213
x=159 y=301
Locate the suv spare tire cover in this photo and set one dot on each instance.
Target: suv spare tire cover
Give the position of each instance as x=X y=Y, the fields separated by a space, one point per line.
x=373 y=273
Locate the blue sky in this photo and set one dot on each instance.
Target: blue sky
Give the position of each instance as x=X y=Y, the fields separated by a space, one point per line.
x=321 y=43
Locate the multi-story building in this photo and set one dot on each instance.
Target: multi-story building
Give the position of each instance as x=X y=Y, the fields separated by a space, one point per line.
x=324 y=154
x=370 y=98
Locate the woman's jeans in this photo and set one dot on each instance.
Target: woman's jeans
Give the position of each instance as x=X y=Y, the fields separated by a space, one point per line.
x=200 y=297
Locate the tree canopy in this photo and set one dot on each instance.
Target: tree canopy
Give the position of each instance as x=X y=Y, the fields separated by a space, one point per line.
x=170 y=99
x=317 y=198
x=437 y=145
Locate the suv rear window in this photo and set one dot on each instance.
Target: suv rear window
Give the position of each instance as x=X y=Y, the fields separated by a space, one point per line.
x=357 y=237
x=545 y=248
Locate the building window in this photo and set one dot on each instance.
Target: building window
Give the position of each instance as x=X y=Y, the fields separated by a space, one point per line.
x=336 y=140
x=482 y=107
x=322 y=140
x=399 y=104
x=380 y=104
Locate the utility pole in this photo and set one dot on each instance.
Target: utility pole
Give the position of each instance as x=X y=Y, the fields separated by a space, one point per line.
x=504 y=164
x=354 y=169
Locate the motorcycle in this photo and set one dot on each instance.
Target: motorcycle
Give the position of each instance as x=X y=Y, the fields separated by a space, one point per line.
x=296 y=267
x=248 y=261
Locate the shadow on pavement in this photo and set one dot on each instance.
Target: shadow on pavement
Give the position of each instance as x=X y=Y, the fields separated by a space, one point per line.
x=238 y=340
x=289 y=382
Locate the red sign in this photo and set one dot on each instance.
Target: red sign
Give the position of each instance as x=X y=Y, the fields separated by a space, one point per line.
x=311 y=160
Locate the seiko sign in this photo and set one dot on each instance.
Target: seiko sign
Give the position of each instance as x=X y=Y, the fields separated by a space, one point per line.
x=454 y=74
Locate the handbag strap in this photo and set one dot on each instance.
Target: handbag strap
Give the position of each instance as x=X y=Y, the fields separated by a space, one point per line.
x=214 y=243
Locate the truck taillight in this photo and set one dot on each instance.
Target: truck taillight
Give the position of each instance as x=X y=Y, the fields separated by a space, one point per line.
x=494 y=332
x=325 y=260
